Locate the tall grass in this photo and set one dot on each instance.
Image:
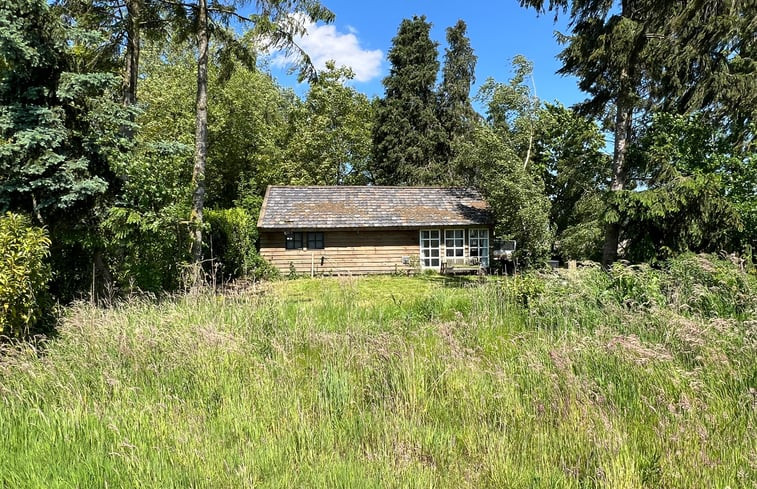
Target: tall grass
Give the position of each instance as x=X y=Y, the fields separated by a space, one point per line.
x=639 y=378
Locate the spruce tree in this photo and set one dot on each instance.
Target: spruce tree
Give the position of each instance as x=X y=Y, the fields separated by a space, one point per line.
x=407 y=133
x=57 y=125
x=455 y=112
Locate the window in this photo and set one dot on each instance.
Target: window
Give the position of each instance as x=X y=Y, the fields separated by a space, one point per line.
x=294 y=241
x=478 y=242
x=298 y=241
x=430 y=241
x=454 y=243
x=315 y=241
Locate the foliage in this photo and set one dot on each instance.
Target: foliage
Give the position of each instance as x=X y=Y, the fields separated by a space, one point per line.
x=634 y=57
x=512 y=108
x=520 y=206
x=522 y=290
x=511 y=182
x=145 y=228
x=329 y=134
x=247 y=134
x=150 y=247
x=59 y=128
x=406 y=131
x=568 y=153
x=388 y=381
x=706 y=64
x=455 y=112
x=23 y=275
x=684 y=202
x=232 y=238
x=708 y=286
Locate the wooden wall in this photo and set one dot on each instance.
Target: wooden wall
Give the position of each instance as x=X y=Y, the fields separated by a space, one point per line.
x=345 y=252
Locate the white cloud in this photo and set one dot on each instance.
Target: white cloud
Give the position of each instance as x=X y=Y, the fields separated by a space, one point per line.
x=323 y=43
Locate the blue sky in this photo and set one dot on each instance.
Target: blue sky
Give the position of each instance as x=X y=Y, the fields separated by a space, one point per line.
x=362 y=35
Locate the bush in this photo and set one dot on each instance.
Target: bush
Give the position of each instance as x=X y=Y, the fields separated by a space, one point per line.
x=231 y=240
x=23 y=275
x=523 y=289
x=147 y=247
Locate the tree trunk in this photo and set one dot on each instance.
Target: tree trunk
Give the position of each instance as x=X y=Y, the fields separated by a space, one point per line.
x=131 y=74
x=623 y=120
x=201 y=140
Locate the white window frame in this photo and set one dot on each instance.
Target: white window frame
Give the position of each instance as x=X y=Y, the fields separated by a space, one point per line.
x=430 y=249
x=454 y=248
x=483 y=258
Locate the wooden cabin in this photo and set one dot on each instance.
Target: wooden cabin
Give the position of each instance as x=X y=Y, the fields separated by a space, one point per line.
x=364 y=230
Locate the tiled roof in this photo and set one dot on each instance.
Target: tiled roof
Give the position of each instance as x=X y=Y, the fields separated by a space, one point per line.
x=314 y=207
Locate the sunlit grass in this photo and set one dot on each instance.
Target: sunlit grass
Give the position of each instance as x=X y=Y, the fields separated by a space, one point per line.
x=385 y=382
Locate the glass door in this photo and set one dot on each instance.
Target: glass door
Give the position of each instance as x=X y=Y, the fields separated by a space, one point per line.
x=430 y=242
x=454 y=245
x=478 y=242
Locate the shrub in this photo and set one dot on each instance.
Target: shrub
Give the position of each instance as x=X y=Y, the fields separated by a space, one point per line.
x=147 y=246
x=232 y=241
x=523 y=289
x=23 y=275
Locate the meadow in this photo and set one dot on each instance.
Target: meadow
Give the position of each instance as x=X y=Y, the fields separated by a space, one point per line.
x=636 y=378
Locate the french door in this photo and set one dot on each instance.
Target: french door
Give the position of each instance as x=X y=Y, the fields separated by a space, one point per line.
x=430 y=244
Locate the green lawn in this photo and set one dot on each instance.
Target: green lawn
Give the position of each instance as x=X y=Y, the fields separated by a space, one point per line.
x=640 y=379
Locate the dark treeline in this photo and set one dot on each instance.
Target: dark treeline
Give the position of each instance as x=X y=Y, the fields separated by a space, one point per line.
x=142 y=134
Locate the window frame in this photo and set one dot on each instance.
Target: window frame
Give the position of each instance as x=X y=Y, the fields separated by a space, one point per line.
x=430 y=259
x=458 y=251
x=315 y=237
x=483 y=258
x=301 y=240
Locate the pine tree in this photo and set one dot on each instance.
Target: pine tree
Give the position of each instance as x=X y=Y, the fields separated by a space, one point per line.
x=407 y=133
x=455 y=112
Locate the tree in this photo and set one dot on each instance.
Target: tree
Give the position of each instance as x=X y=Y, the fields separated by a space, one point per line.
x=633 y=54
x=455 y=112
x=512 y=108
x=330 y=133
x=517 y=198
x=691 y=190
x=60 y=125
x=274 y=26
x=247 y=134
x=57 y=126
x=569 y=154
x=501 y=159
x=119 y=26
x=407 y=133
x=247 y=143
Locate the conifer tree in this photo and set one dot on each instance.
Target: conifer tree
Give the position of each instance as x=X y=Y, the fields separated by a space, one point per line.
x=633 y=55
x=455 y=112
x=57 y=125
x=275 y=25
x=407 y=133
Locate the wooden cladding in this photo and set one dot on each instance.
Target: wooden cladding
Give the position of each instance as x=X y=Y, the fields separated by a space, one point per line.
x=346 y=252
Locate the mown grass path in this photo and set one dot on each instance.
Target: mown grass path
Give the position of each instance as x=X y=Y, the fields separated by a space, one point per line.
x=568 y=381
